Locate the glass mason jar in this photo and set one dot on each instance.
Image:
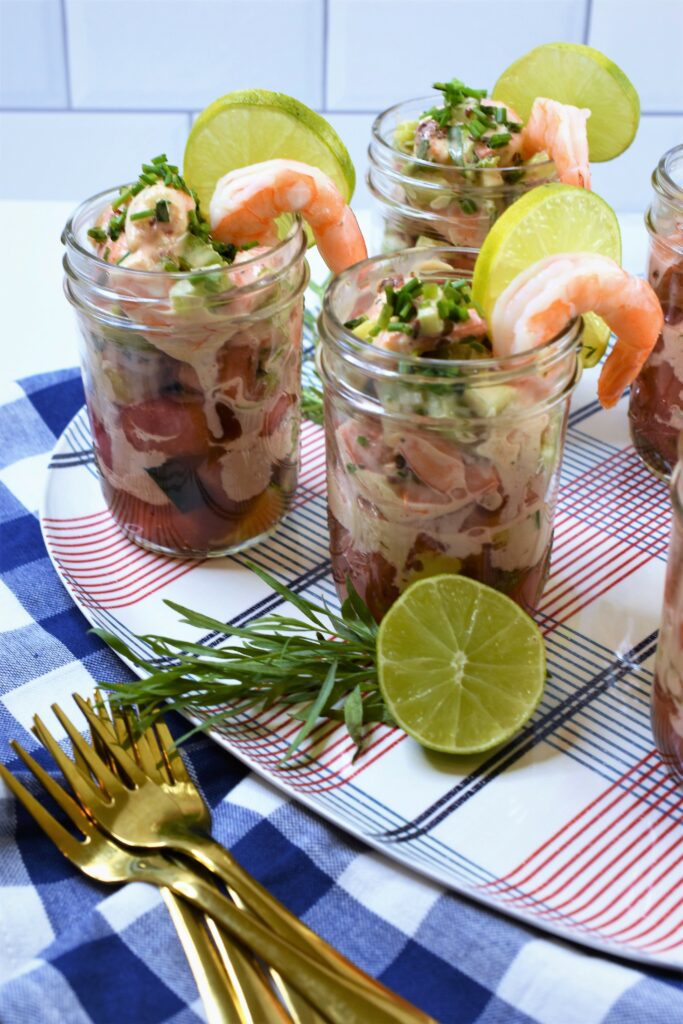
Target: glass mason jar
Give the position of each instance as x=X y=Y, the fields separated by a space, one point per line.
x=423 y=203
x=438 y=465
x=192 y=387
x=656 y=402
x=667 y=693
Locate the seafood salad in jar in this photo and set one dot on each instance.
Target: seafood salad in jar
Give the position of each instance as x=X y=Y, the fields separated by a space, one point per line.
x=191 y=333
x=447 y=171
x=656 y=401
x=444 y=431
x=667 y=692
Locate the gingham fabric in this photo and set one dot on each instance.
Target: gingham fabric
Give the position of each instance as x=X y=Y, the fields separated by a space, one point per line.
x=77 y=952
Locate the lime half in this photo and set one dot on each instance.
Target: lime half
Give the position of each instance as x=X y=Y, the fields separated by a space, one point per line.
x=547 y=220
x=461 y=666
x=252 y=125
x=576 y=74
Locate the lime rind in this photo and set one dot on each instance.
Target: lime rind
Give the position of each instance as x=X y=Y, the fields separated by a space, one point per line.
x=583 y=77
x=461 y=666
x=252 y=125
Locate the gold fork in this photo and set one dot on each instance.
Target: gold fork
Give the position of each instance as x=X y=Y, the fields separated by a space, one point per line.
x=155 y=754
x=230 y=983
x=101 y=858
x=156 y=819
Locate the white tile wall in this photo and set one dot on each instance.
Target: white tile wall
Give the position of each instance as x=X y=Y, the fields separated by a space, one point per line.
x=73 y=155
x=99 y=85
x=381 y=51
x=175 y=55
x=645 y=38
x=32 y=66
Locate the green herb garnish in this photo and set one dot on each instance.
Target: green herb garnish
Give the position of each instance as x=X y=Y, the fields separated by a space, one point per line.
x=313 y=665
x=162 y=212
x=143 y=214
x=98 y=234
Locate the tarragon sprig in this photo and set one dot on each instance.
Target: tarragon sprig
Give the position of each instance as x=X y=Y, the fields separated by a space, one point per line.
x=322 y=665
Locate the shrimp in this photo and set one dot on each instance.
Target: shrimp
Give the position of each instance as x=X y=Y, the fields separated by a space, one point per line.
x=247 y=201
x=559 y=130
x=545 y=297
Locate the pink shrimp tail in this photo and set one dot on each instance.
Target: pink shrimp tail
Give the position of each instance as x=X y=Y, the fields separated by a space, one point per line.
x=638 y=334
x=341 y=244
x=559 y=130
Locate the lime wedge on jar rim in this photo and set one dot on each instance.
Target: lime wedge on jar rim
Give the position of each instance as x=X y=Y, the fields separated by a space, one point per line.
x=547 y=220
x=252 y=125
x=584 y=77
x=461 y=666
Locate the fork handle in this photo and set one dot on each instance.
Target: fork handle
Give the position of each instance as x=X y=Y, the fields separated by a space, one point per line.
x=341 y=999
x=211 y=855
x=214 y=986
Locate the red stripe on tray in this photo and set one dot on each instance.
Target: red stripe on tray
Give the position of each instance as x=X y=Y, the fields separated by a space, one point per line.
x=94 y=561
x=593 y=550
x=635 y=828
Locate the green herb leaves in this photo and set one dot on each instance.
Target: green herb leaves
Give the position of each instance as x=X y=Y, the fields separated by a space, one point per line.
x=321 y=665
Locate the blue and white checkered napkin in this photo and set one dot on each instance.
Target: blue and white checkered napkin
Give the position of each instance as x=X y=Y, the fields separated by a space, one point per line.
x=74 y=951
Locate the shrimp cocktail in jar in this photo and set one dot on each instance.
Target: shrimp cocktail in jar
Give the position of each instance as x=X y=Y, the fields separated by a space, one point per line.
x=191 y=332
x=667 y=692
x=656 y=400
x=445 y=423
x=446 y=166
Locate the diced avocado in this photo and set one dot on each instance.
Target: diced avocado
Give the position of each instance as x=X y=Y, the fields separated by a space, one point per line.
x=185 y=297
x=431 y=324
x=362 y=331
x=488 y=401
x=431 y=291
x=199 y=254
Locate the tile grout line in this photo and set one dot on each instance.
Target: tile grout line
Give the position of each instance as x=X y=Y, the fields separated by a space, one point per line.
x=588 y=17
x=360 y=111
x=65 y=53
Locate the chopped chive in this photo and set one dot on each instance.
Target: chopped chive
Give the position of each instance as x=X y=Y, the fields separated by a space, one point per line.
x=499 y=115
x=402 y=327
x=468 y=205
x=143 y=214
x=97 y=234
x=137 y=188
x=106 y=254
x=161 y=159
x=162 y=211
x=150 y=169
x=351 y=467
x=171 y=267
x=122 y=258
x=362 y=441
x=248 y=245
x=501 y=139
x=149 y=179
x=122 y=198
x=355 y=322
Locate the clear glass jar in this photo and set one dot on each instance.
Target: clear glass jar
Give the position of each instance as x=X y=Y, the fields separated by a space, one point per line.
x=422 y=202
x=438 y=465
x=656 y=402
x=667 y=693
x=192 y=382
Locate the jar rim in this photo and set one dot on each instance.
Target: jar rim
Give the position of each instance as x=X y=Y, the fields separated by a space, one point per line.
x=663 y=179
x=428 y=101
x=70 y=240
x=504 y=365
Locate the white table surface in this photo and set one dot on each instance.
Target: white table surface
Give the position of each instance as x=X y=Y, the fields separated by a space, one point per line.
x=39 y=330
